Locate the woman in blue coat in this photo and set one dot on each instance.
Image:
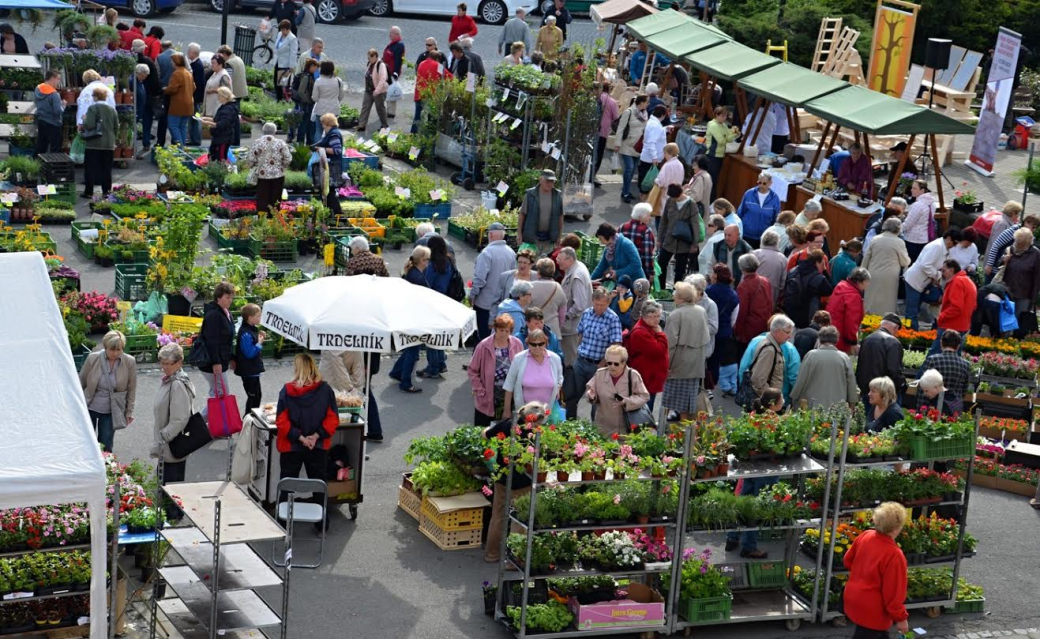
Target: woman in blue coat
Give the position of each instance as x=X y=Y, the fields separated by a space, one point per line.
x=620 y=257
x=758 y=210
x=438 y=272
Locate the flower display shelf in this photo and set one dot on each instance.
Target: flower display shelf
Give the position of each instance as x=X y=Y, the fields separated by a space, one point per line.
x=214 y=588
x=840 y=465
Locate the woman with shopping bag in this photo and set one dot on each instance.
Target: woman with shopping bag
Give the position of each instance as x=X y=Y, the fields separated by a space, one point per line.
x=217 y=336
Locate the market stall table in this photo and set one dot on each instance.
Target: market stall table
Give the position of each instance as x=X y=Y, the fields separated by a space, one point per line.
x=846 y=219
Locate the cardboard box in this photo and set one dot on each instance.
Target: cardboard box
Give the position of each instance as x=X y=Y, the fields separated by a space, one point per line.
x=644 y=606
x=342 y=488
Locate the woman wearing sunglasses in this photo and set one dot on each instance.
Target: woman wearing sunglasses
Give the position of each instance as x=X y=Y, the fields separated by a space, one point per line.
x=536 y=375
x=615 y=391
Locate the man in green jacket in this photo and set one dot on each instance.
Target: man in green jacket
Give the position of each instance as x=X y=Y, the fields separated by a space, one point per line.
x=541 y=215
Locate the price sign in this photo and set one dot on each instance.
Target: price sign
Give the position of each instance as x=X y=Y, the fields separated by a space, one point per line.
x=436 y=195
x=391 y=138
x=402 y=193
x=285 y=194
x=516 y=122
x=9 y=198
x=384 y=131
x=502 y=188
x=555 y=154
x=413 y=153
x=505 y=95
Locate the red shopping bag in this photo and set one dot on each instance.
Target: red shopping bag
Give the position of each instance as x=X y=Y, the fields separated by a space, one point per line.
x=224 y=418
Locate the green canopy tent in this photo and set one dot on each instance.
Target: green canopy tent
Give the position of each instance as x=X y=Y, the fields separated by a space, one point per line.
x=869 y=112
x=662 y=21
x=728 y=61
x=790 y=85
x=679 y=41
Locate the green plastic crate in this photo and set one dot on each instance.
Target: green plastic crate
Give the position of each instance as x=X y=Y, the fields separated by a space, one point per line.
x=970 y=605
x=590 y=252
x=767 y=574
x=274 y=251
x=239 y=247
x=86 y=249
x=137 y=256
x=697 y=611
x=456 y=231
x=79 y=357
x=137 y=344
x=130 y=282
x=922 y=448
x=342 y=253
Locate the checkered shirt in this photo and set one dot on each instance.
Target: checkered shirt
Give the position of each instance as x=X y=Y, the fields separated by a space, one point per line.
x=597 y=333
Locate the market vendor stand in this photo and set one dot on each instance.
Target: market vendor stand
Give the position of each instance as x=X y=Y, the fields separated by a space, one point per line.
x=60 y=463
x=617 y=13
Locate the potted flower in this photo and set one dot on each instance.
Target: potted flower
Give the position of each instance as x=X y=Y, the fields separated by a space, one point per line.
x=704 y=593
x=967 y=201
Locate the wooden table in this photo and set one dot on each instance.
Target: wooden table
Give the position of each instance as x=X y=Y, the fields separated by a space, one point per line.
x=846 y=219
x=740 y=173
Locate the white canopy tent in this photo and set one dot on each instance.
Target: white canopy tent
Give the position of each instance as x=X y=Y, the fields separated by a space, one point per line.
x=48 y=452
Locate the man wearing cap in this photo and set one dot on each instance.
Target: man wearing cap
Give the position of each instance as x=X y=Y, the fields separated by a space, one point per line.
x=893 y=176
x=541 y=214
x=486 y=291
x=881 y=355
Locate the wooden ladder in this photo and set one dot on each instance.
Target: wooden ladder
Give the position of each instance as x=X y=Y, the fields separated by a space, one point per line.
x=830 y=29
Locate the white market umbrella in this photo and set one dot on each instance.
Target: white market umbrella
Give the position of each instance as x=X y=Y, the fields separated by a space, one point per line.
x=368 y=313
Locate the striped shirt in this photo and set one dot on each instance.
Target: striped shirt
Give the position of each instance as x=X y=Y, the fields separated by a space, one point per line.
x=1000 y=244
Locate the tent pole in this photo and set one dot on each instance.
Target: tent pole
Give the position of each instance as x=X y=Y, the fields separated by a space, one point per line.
x=766 y=104
x=743 y=140
x=368 y=393
x=664 y=83
x=899 y=169
x=613 y=39
x=819 y=147
x=870 y=160
x=938 y=173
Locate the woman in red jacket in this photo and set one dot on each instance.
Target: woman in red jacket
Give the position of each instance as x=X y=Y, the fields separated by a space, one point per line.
x=648 y=349
x=876 y=589
x=462 y=24
x=307 y=419
x=752 y=315
x=846 y=309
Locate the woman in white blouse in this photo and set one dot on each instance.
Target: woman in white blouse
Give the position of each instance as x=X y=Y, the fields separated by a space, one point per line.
x=219 y=78
x=92 y=80
x=920 y=215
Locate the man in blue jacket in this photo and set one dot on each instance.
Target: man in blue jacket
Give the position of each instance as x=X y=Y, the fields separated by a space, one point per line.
x=49 y=108
x=758 y=210
x=792 y=362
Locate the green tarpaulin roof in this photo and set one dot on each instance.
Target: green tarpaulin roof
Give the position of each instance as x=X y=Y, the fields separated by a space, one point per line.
x=875 y=113
x=649 y=25
x=791 y=84
x=682 y=40
x=730 y=61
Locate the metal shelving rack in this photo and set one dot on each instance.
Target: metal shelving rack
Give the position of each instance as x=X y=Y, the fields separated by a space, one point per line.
x=826 y=614
x=750 y=605
x=215 y=586
x=524 y=573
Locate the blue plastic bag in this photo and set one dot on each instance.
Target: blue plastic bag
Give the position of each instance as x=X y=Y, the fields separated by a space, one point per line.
x=1008 y=319
x=315 y=158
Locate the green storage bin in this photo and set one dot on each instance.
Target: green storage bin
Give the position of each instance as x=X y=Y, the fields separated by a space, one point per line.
x=923 y=449
x=767 y=574
x=239 y=247
x=274 y=251
x=79 y=357
x=86 y=249
x=697 y=611
x=130 y=283
x=970 y=605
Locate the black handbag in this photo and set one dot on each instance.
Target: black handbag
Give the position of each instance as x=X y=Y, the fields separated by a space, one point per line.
x=194 y=436
x=745 y=397
x=683 y=231
x=93 y=132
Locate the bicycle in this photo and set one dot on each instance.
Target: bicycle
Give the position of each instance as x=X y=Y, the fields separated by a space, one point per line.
x=264 y=53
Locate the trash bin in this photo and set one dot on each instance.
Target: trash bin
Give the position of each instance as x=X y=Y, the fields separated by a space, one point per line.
x=245 y=42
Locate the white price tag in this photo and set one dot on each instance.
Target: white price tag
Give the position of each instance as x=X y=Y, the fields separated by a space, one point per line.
x=436 y=195
x=9 y=198
x=521 y=99
x=546 y=147
x=505 y=95
x=42 y=189
x=471 y=82
x=920 y=631
x=285 y=194
x=516 y=122
x=502 y=187
x=440 y=69
x=413 y=153
x=82 y=621
x=555 y=154
x=384 y=131
x=402 y=193
x=391 y=138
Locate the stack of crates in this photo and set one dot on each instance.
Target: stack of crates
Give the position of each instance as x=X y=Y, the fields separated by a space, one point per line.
x=590 y=252
x=407 y=499
x=454 y=529
x=56 y=168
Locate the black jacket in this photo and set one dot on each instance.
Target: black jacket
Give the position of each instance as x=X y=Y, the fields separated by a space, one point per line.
x=151 y=83
x=519 y=479
x=283 y=11
x=218 y=332
x=888 y=419
x=476 y=64
x=198 y=74
x=225 y=123
x=459 y=67
x=812 y=285
x=880 y=355
x=247 y=366
x=805 y=339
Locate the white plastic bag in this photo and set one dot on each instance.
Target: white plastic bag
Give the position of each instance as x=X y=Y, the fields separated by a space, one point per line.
x=395 y=93
x=615 y=162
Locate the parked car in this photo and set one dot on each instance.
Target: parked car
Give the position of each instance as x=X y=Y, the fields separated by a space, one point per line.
x=143 y=8
x=489 y=11
x=328 y=10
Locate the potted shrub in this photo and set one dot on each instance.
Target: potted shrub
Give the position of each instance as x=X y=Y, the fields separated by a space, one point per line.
x=967 y=201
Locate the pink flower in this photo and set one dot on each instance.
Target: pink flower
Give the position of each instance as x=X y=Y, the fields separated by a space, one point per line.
x=487 y=491
x=617 y=499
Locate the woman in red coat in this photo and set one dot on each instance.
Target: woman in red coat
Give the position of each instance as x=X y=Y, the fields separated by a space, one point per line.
x=846 y=309
x=876 y=589
x=648 y=349
x=753 y=314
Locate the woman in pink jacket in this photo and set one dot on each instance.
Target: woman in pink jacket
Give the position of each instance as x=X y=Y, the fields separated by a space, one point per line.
x=488 y=369
x=375 y=92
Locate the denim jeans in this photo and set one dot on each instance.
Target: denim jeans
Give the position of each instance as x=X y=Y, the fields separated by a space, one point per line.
x=195 y=128
x=375 y=427
x=728 y=378
x=749 y=539
x=628 y=165
x=105 y=431
x=483 y=321
x=436 y=361
x=913 y=305
x=178 y=125
x=584 y=370
x=145 y=117
x=415 y=120
x=404 y=367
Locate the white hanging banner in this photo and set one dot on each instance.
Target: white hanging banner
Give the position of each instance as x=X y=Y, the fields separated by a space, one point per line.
x=995 y=102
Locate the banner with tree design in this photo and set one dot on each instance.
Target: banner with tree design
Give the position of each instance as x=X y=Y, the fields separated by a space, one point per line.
x=894 y=26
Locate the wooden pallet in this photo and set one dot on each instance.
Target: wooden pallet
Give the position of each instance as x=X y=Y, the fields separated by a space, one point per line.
x=843 y=53
x=830 y=30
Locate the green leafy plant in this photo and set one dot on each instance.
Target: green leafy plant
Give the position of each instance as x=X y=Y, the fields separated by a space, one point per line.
x=442 y=479
x=547 y=617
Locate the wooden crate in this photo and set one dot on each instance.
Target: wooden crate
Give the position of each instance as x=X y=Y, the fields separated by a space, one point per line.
x=409 y=502
x=450 y=539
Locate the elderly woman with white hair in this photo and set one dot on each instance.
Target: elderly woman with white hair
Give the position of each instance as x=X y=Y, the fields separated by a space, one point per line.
x=109 y=381
x=174 y=406
x=143 y=86
x=825 y=377
x=270 y=158
x=363 y=261
x=224 y=124
x=689 y=346
x=92 y=80
x=550 y=39
x=810 y=211
x=931 y=393
x=638 y=230
x=1022 y=277
x=519 y=299
x=885 y=258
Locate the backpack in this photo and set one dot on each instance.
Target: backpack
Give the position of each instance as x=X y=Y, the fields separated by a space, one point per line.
x=745 y=397
x=794 y=288
x=456 y=287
